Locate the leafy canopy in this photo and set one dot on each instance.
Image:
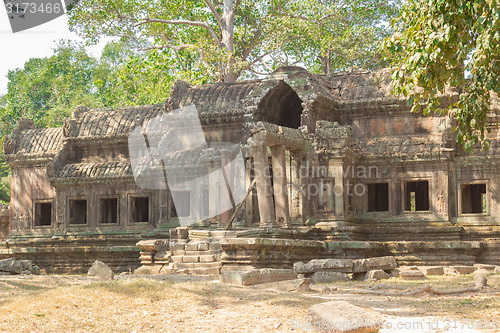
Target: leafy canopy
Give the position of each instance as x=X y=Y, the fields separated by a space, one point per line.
x=449 y=43
x=230 y=39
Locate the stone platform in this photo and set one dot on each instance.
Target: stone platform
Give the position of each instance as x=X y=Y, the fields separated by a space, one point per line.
x=75 y=254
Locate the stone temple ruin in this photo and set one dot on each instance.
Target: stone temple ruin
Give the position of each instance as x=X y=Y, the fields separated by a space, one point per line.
x=351 y=173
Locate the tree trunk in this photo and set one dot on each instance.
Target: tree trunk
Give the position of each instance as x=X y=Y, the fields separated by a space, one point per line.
x=228 y=40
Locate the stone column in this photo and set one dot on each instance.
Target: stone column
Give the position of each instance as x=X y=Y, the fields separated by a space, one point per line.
x=225 y=190
x=335 y=168
x=264 y=191
x=279 y=185
x=296 y=195
x=213 y=193
x=249 y=213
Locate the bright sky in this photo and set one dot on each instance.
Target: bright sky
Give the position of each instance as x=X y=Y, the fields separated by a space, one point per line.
x=37 y=42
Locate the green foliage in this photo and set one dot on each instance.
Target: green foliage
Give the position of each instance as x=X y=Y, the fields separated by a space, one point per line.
x=46 y=89
x=332 y=36
x=440 y=44
x=224 y=41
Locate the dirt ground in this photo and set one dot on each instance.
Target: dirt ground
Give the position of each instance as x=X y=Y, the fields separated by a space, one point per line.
x=52 y=303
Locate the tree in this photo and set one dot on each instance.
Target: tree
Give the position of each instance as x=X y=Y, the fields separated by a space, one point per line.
x=46 y=89
x=449 y=44
x=336 y=35
x=233 y=38
x=203 y=29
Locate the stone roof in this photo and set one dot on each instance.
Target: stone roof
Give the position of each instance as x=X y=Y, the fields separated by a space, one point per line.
x=212 y=97
x=95 y=171
x=40 y=141
x=112 y=122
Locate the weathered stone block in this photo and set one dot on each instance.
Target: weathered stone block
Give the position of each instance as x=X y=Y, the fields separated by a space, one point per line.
x=485 y=266
x=101 y=270
x=179 y=233
x=365 y=265
x=341 y=316
x=207 y=258
x=153 y=245
x=148 y=270
x=460 y=270
x=203 y=246
x=256 y=276
x=412 y=275
x=316 y=265
x=205 y=271
x=435 y=270
x=11 y=266
x=329 y=277
x=176 y=245
x=376 y=274
x=183 y=265
x=214 y=246
x=190 y=259
x=300 y=285
x=176 y=258
x=497 y=270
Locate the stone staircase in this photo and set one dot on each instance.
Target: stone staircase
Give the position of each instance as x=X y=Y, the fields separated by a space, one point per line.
x=196 y=252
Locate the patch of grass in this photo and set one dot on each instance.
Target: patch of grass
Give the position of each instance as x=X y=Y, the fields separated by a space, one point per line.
x=133 y=287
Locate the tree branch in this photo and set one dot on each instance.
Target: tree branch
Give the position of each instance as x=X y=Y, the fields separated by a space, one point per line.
x=210 y=5
x=170 y=46
x=182 y=22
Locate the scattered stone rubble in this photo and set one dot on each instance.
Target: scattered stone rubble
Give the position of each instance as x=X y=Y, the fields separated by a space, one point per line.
x=12 y=266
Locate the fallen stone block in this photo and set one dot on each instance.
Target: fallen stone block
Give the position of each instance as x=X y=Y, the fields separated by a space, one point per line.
x=101 y=270
x=329 y=277
x=256 y=276
x=368 y=264
x=485 y=266
x=435 y=270
x=480 y=280
x=482 y=271
x=298 y=285
x=412 y=275
x=148 y=270
x=461 y=270
x=376 y=274
x=494 y=281
x=11 y=266
x=316 y=265
x=341 y=316
x=497 y=270
x=394 y=272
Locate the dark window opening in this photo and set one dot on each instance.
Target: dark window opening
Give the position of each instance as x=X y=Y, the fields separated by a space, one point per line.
x=109 y=210
x=78 y=212
x=139 y=209
x=417 y=196
x=182 y=202
x=474 y=199
x=43 y=214
x=378 y=197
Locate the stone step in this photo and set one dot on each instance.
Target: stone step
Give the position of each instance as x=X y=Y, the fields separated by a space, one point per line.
x=183 y=265
x=204 y=271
